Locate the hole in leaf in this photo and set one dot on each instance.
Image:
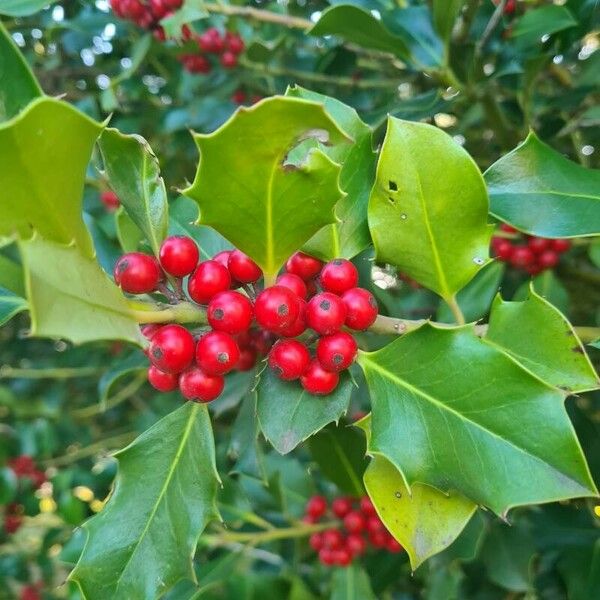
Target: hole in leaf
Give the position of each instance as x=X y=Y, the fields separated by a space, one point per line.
x=393 y=186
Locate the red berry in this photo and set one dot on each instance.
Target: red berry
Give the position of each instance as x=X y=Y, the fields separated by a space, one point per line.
x=341 y=507
x=22 y=465
x=337 y=351
x=354 y=522
x=327 y=556
x=158 y=8
x=538 y=244
x=338 y=276
x=222 y=257
x=548 y=259
x=31 y=592
x=149 y=330
x=294 y=283
x=374 y=524
x=393 y=546
x=503 y=249
x=378 y=539
x=534 y=269
x=316 y=380
x=560 y=246
x=186 y=33
x=261 y=341
x=217 y=353
x=110 y=200
x=247 y=359
x=332 y=539
x=234 y=43
x=173 y=4
x=159 y=34
x=179 y=255
x=303 y=265
x=137 y=273
x=238 y=97
x=230 y=312
x=356 y=544
x=342 y=557
x=196 y=385
x=522 y=257
x=211 y=41
x=163 y=382
x=228 y=60
x=316 y=541
x=366 y=506
x=12 y=523
x=508 y=228
x=276 y=308
x=172 y=349
x=361 y=308
x=209 y=278
x=316 y=507
x=289 y=359
x=325 y=313
x=298 y=326
x=243 y=268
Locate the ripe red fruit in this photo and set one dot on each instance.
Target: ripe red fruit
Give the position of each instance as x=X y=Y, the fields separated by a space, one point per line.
x=289 y=359
x=238 y=97
x=560 y=246
x=276 y=308
x=247 y=359
x=149 y=330
x=338 y=276
x=298 y=326
x=137 y=273
x=538 y=244
x=209 y=278
x=337 y=351
x=196 y=385
x=325 y=313
x=374 y=524
x=228 y=60
x=234 y=43
x=163 y=382
x=110 y=200
x=361 y=308
x=217 y=353
x=222 y=257
x=341 y=507
x=366 y=506
x=393 y=546
x=522 y=257
x=548 y=259
x=354 y=522
x=356 y=544
x=316 y=380
x=342 y=557
x=378 y=539
x=508 y=228
x=261 y=341
x=158 y=8
x=179 y=255
x=316 y=541
x=316 y=507
x=294 y=283
x=243 y=268
x=194 y=63
x=332 y=539
x=230 y=312
x=172 y=349
x=327 y=556
x=503 y=249
x=211 y=41
x=159 y=34
x=303 y=265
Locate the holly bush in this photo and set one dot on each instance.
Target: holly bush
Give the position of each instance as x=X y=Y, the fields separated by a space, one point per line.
x=352 y=246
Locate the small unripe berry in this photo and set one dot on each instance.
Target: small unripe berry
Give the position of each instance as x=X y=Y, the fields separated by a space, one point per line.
x=316 y=507
x=341 y=507
x=217 y=353
x=137 y=273
x=289 y=359
x=361 y=308
x=316 y=380
x=163 y=382
x=179 y=255
x=325 y=313
x=303 y=265
x=172 y=349
x=338 y=276
x=294 y=283
x=243 y=268
x=337 y=351
x=276 y=308
x=196 y=385
x=209 y=278
x=230 y=312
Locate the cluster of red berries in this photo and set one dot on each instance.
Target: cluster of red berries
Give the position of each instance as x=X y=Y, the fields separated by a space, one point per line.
x=110 y=200
x=528 y=252
x=360 y=528
x=32 y=591
x=227 y=47
x=146 y=14
x=241 y=97
x=244 y=325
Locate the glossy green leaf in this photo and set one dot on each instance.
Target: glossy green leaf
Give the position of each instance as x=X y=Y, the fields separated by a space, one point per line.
x=130 y=236
x=340 y=453
x=580 y=569
x=44 y=152
x=424 y=520
x=351 y=583
x=537 y=335
x=134 y=175
x=428 y=208
x=445 y=13
x=360 y=27
x=18 y=86
x=136 y=362
x=548 y=286
x=541 y=192
x=71 y=297
x=265 y=206
x=11 y=276
x=192 y=10
x=288 y=414
x=475 y=299
x=538 y=22
x=350 y=235
x=455 y=396
x=22 y=8
x=144 y=539
x=10 y=305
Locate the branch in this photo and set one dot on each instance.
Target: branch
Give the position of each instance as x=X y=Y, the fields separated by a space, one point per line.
x=257 y=14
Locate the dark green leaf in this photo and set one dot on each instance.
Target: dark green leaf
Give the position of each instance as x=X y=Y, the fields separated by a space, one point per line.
x=445 y=13
x=10 y=305
x=351 y=583
x=538 y=22
x=580 y=568
x=192 y=10
x=122 y=367
x=548 y=286
x=22 y=8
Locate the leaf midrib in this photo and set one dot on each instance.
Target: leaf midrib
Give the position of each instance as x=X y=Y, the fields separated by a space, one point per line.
x=548 y=192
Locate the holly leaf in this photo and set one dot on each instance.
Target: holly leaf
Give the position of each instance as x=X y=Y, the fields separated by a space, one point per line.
x=288 y=414
x=71 y=297
x=529 y=29
x=445 y=13
x=134 y=175
x=546 y=344
x=454 y=395
x=542 y=193
x=350 y=235
x=351 y=583
x=18 y=86
x=10 y=305
x=428 y=211
x=143 y=541
x=23 y=8
x=249 y=193
x=424 y=520
x=135 y=363
x=44 y=153
x=191 y=10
